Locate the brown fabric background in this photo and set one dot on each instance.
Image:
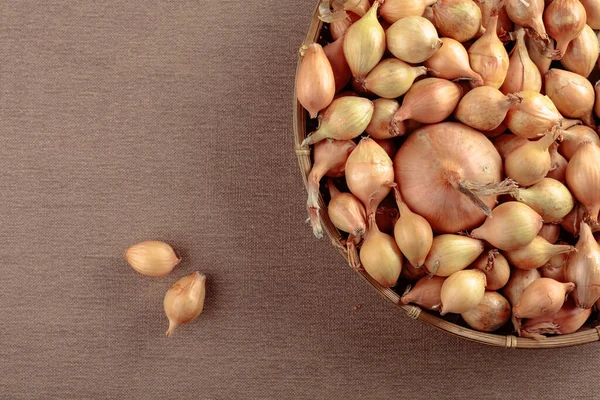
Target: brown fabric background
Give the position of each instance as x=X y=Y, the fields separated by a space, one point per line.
x=127 y=120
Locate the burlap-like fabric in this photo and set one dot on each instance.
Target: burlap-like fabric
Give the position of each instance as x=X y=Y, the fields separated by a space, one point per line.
x=127 y=120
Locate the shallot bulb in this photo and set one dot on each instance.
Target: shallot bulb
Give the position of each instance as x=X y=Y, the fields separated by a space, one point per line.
x=539 y=54
x=495 y=267
x=536 y=254
x=462 y=291
x=412 y=39
x=487 y=8
x=315 y=81
x=484 y=108
x=330 y=160
x=567 y=320
x=519 y=280
x=346 y=118
x=388 y=145
x=413 y=234
x=341 y=71
x=582 y=53
x=543 y=297
x=572 y=221
x=564 y=20
x=428 y=101
x=451 y=175
x=488 y=57
x=364 y=43
x=572 y=94
x=529 y=163
x=379 y=127
x=458 y=19
x=369 y=174
x=511 y=226
x=592 y=12
x=452 y=253
x=393 y=10
x=583 y=268
x=426 y=293
x=411 y=273
x=573 y=137
x=550 y=232
x=583 y=178
x=549 y=198
x=346 y=212
x=451 y=61
x=380 y=256
x=339 y=26
x=528 y=14
x=508 y=142
x=392 y=78
x=492 y=313
x=359 y=7
x=522 y=73
x=558 y=170
x=534 y=115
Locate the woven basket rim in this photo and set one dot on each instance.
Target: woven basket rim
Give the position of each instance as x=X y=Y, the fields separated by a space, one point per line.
x=508 y=341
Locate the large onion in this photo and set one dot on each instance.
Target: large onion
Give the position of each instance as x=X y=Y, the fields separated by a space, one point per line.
x=441 y=169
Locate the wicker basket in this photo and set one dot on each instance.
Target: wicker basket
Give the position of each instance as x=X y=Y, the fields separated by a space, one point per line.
x=587 y=334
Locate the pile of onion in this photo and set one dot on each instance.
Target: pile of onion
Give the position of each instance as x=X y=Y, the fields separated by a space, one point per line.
x=462 y=170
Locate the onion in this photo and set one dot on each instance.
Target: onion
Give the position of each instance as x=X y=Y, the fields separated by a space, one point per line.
x=462 y=291
x=413 y=39
x=484 y=108
x=369 y=174
x=573 y=137
x=544 y=296
x=392 y=78
x=452 y=253
x=428 y=15
x=428 y=101
x=536 y=254
x=558 y=170
x=567 y=320
x=540 y=54
x=413 y=234
x=359 y=7
x=488 y=57
x=592 y=12
x=426 y=293
x=528 y=164
x=451 y=61
x=346 y=118
x=380 y=256
x=564 y=21
x=346 y=211
x=582 y=53
x=572 y=221
x=499 y=130
x=487 y=7
x=534 y=115
x=442 y=169
x=555 y=267
x=583 y=178
x=519 y=280
x=570 y=123
x=550 y=232
x=528 y=14
x=549 y=198
x=388 y=145
x=507 y=143
x=329 y=159
x=492 y=313
x=364 y=43
x=495 y=267
x=393 y=10
x=458 y=19
x=340 y=26
x=411 y=273
x=315 y=82
x=512 y=225
x=572 y=94
x=583 y=268
x=341 y=71
x=522 y=73
x=379 y=127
